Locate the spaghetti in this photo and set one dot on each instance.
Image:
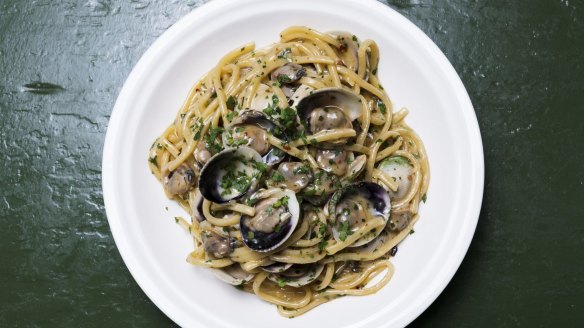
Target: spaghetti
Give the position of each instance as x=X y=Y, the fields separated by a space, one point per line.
x=299 y=178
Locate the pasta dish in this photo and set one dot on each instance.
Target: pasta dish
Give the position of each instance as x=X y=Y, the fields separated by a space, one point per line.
x=299 y=177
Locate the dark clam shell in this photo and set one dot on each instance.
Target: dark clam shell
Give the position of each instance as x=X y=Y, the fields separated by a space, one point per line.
x=264 y=242
x=374 y=194
x=330 y=97
x=214 y=170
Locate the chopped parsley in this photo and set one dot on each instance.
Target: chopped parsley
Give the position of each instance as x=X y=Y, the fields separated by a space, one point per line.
x=277 y=177
x=197 y=129
x=381 y=106
x=322 y=229
x=250 y=235
x=153 y=160
x=345 y=231
x=281 y=202
x=302 y=170
x=277 y=152
x=355 y=38
x=211 y=142
x=252 y=201
x=231 y=115
x=235 y=180
x=259 y=166
x=282 y=79
x=424 y=198
x=322 y=245
x=231 y=102
x=281 y=282
x=286 y=118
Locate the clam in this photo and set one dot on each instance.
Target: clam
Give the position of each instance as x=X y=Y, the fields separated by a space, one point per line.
x=251 y=129
x=374 y=244
x=300 y=93
x=196 y=202
x=201 y=153
x=234 y=274
x=340 y=162
x=323 y=185
x=356 y=167
x=333 y=160
x=217 y=246
x=263 y=98
x=277 y=213
x=289 y=90
x=292 y=175
x=297 y=275
x=349 y=49
x=329 y=109
x=399 y=220
x=276 y=267
x=351 y=207
x=400 y=169
x=288 y=73
x=180 y=180
x=230 y=174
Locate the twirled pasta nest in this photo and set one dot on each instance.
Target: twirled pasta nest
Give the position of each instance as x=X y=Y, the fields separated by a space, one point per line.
x=299 y=178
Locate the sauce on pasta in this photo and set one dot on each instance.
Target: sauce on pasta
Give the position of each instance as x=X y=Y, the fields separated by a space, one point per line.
x=299 y=177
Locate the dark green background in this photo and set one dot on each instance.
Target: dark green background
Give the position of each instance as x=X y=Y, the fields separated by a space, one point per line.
x=521 y=62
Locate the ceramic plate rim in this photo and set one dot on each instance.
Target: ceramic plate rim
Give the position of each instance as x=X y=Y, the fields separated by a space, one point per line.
x=110 y=187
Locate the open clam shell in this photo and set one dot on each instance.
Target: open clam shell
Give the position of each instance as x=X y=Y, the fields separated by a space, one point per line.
x=297 y=275
x=276 y=267
x=233 y=274
x=400 y=169
x=230 y=174
x=351 y=207
x=277 y=215
x=339 y=98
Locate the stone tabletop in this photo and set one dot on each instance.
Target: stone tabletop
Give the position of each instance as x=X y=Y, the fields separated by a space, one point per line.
x=63 y=63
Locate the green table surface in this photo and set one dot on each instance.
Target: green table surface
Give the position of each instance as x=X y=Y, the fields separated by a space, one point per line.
x=63 y=63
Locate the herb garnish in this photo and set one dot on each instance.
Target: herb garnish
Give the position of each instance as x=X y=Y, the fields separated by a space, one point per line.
x=281 y=282
x=281 y=202
x=211 y=142
x=234 y=180
x=282 y=79
x=302 y=170
x=286 y=118
x=277 y=177
x=345 y=231
x=231 y=102
x=153 y=160
x=322 y=245
x=381 y=106
x=197 y=129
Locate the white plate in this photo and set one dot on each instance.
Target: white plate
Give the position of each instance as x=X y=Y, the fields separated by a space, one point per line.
x=415 y=74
